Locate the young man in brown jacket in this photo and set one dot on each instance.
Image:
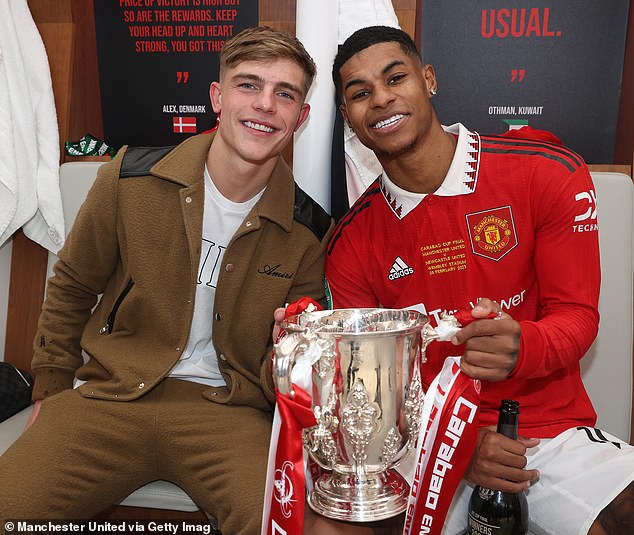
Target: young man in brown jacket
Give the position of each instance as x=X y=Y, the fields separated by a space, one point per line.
x=191 y=248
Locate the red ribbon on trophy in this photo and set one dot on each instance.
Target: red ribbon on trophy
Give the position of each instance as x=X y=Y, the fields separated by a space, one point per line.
x=446 y=442
x=288 y=496
x=285 y=495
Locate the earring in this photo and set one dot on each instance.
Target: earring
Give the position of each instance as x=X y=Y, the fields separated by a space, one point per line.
x=433 y=91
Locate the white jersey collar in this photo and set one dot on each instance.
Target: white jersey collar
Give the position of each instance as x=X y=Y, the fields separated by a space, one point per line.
x=461 y=178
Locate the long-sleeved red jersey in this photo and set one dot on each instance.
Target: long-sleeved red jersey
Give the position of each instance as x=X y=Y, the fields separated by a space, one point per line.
x=514 y=221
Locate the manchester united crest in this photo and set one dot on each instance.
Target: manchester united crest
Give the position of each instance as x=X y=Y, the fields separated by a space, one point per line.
x=492 y=232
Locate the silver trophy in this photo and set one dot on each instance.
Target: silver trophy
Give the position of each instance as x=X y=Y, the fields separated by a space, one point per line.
x=367 y=401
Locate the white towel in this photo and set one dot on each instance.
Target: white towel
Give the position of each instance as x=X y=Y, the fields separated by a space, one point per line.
x=8 y=171
x=357 y=14
x=362 y=167
x=29 y=140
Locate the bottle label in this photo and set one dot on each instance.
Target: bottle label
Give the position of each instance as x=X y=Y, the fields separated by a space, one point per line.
x=478 y=525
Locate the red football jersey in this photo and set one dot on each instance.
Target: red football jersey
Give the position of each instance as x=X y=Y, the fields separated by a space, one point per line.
x=514 y=221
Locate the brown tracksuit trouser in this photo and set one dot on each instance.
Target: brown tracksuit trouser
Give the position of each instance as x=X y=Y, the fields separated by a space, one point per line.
x=82 y=455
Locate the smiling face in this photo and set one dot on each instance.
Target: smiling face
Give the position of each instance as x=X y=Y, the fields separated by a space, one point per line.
x=262 y=104
x=386 y=99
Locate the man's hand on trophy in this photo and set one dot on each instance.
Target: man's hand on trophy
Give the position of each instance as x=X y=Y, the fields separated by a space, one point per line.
x=303 y=304
x=499 y=462
x=278 y=316
x=491 y=345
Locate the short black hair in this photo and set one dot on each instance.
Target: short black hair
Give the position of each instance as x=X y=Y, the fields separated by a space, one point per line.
x=364 y=38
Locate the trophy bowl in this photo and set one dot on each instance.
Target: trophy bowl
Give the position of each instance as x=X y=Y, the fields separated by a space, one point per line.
x=366 y=398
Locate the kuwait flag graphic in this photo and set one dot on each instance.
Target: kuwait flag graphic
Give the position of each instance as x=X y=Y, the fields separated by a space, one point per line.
x=515 y=124
x=184 y=125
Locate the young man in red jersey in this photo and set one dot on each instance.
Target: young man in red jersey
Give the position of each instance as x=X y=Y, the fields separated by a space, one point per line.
x=458 y=220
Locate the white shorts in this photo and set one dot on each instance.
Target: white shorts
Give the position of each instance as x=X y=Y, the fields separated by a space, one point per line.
x=581 y=471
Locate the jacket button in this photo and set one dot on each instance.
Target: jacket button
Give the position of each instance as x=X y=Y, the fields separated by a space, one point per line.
x=248 y=224
x=218 y=316
x=141 y=385
x=230 y=268
x=188 y=200
x=222 y=356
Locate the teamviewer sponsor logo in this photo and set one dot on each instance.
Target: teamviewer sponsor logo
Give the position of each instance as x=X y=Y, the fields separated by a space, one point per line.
x=399 y=269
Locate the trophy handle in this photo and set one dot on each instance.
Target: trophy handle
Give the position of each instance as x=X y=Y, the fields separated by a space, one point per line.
x=285 y=354
x=448 y=326
x=300 y=349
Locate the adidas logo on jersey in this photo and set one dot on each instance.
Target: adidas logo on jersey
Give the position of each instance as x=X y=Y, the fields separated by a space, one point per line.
x=399 y=269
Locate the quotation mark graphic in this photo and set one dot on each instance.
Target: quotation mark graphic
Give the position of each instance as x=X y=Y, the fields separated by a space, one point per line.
x=182 y=76
x=517 y=75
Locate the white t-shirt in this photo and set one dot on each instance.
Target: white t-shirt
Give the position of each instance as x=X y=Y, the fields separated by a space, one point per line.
x=221 y=219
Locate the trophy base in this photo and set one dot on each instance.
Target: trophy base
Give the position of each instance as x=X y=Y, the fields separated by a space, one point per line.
x=353 y=498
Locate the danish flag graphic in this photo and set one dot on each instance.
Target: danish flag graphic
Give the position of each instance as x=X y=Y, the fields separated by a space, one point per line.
x=184 y=125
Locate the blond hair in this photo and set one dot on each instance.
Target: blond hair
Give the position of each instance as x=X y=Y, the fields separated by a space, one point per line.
x=265 y=44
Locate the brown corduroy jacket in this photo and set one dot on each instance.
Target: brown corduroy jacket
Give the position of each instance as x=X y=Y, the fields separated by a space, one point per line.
x=137 y=243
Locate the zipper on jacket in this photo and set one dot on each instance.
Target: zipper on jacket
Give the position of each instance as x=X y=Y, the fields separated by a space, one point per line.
x=107 y=328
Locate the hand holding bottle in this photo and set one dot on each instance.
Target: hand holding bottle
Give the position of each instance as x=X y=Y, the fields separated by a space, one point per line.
x=492 y=509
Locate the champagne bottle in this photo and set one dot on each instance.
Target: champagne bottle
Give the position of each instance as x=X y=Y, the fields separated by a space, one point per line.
x=493 y=512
